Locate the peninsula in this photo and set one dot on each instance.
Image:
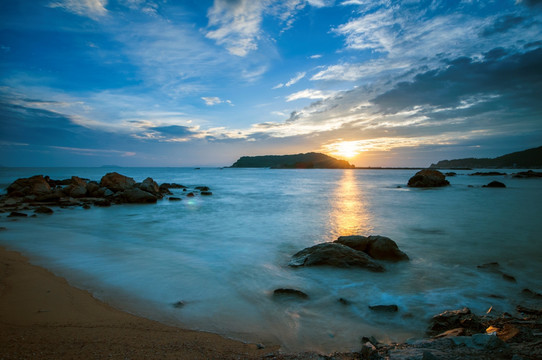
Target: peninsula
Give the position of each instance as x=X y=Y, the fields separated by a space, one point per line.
x=526 y=159
x=298 y=161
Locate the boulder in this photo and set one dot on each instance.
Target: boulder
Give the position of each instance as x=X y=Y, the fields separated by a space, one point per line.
x=150 y=186
x=138 y=196
x=206 y=193
x=92 y=188
x=428 y=178
x=334 y=254
x=190 y=194
x=454 y=319
x=495 y=184
x=202 y=188
x=172 y=186
x=77 y=188
x=35 y=185
x=117 y=182
x=164 y=190
x=17 y=214
x=376 y=246
x=173 y=198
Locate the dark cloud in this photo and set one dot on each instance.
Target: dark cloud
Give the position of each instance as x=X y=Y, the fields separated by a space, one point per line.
x=503 y=24
x=514 y=81
x=174 y=130
x=532 y=3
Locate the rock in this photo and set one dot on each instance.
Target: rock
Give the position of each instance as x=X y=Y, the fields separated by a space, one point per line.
x=2 y=228
x=376 y=246
x=138 y=196
x=428 y=178
x=164 y=190
x=495 y=267
x=291 y=293
x=449 y=320
x=92 y=188
x=527 y=174
x=44 y=210
x=531 y=293
x=427 y=355
x=487 y=341
x=450 y=333
x=384 y=308
x=17 y=214
x=190 y=194
x=172 y=186
x=150 y=186
x=345 y=301
x=202 y=188
x=450 y=174
x=86 y=206
x=173 y=198
x=35 y=185
x=367 y=350
x=528 y=311
x=102 y=203
x=507 y=332
x=179 y=304
x=495 y=184
x=334 y=254
x=117 y=182
x=488 y=173
x=206 y=193
x=77 y=188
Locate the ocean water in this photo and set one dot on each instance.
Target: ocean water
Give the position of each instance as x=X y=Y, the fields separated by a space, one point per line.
x=223 y=255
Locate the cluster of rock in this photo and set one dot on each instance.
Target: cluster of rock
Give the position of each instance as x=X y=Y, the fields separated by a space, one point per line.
x=428 y=178
x=39 y=191
x=350 y=251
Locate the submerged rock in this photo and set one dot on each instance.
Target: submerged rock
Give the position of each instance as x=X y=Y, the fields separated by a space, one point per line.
x=384 y=308
x=428 y=178
x=290 y=292
x=376 y=246
x=17 y=214
x=334 y=254
x=495 y=184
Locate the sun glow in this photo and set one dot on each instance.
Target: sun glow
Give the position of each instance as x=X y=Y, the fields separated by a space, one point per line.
x=345 y=149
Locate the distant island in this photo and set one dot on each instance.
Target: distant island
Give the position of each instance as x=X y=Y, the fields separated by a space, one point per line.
x=527 y=159
x=298 y=161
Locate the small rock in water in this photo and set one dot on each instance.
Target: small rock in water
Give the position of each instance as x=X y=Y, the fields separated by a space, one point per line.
x=529 y=292
x=190 y=194
x=344 y=301
x=384 y=308
x=290 y=292
x=173 y=198
x=495 y=184
x=17 y=214
x=44 y=210
x=179 y=304
x=207 y=193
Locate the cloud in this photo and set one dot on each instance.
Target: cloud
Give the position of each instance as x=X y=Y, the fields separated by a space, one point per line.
x=292 y=81
x=95 y=152
x=93 y=9
x=235 y=24
x=503 y=24
x=310 y=94
x=174 y=130
x=214 y=100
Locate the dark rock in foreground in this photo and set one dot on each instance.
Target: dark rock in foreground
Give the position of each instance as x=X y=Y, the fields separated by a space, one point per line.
x=495 y=184
x=428 y=178
x=334 y=254
x=376 y=246
x=117 y=182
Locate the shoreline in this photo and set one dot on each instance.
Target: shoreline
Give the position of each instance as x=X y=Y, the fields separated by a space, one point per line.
x=43 y=317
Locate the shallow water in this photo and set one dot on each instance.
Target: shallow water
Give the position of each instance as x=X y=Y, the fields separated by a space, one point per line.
x=224 y=255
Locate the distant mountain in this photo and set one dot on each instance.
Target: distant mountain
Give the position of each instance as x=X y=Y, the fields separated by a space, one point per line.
x=527 y=159
x=299 y=161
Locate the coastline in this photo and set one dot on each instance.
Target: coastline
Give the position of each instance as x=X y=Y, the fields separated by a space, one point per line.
x=43 y=317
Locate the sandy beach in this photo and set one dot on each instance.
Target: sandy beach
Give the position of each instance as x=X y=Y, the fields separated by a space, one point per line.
x=43 y=317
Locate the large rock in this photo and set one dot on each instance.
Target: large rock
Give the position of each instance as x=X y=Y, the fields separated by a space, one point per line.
x=334 y=254
x=117 y=182
x=455 y=319
x=150 y=186
x=495 y=184
x=35 y=185
x=376 y=246
x=138 y=196
x=77 y=187
x=428 y=178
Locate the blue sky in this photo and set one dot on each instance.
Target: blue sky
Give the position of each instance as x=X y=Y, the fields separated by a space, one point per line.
x=201 y=83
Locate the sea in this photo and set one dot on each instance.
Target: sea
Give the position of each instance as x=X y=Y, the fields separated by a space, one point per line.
x=211 y=263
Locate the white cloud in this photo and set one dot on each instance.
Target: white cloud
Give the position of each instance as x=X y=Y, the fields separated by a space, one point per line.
x=93 y=9
x=310 y=94
x=315 y=56
x=215 y=100
x=292 y=81
x=236 y=25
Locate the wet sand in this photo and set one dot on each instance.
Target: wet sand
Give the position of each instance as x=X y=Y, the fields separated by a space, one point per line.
x=43 y=317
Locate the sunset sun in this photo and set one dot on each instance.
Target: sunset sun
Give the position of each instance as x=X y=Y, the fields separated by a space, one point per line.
x=345 y=149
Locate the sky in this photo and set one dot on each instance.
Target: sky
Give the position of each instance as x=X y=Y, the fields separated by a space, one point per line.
x=201 y=83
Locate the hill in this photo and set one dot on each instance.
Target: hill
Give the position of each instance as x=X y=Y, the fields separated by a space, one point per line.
x=298 y=161
x=526 y=159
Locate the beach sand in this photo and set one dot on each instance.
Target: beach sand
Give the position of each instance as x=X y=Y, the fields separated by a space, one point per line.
x=43 y=317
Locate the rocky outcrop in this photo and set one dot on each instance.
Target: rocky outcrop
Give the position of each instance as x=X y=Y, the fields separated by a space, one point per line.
x=336 y=255
x=376 y=246
x=527 y=174
x=290 y=293
x=36 y=192
x=428 y=178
